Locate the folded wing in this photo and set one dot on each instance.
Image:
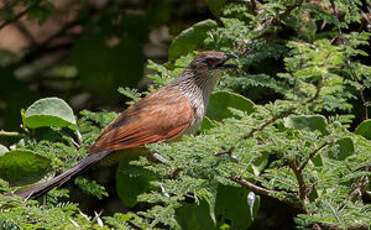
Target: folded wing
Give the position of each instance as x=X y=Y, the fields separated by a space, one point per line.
x=161 y=116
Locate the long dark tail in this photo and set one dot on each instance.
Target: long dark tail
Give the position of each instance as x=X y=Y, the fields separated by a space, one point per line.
x=61 y=179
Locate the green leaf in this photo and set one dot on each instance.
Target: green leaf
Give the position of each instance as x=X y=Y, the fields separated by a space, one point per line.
x=49 y=112
x=131 y=181
x=3 y=149
x=190 y=38
x=317 y=160
x=235 y=206
x=206 y=124
x=220 y=101
x=216 y=6
x=260 y=163
x=20 y=167
x=195 y=216
x=364 y=129
x=344 y=148
x=307 y=122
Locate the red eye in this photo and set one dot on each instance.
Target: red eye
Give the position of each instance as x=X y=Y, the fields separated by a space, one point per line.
x=210 y=61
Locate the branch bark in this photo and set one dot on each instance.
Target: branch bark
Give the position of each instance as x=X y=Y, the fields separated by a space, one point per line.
x=291 y=8
x=313 y=154
x=267 y=192
x=19 y=15
x=294 y=164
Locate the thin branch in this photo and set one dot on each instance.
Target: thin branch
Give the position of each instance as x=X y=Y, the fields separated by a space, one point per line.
x=255 y=188
x=19 y=15
x=253 y=6
x=282 y=115
x=359 y=188
x=26 y=34
x=352 y=71
x=273 y=19
x=360 y=90
x=45 y=47
x=291 y=8
x=272 y=120
x=11 y=134
x=333 y=7
x=267 y=192
x=303 y=191
x=313 y=154
x=362 y=183
x=294 y=165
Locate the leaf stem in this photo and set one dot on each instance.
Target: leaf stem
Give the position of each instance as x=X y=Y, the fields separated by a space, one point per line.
x=11 y=134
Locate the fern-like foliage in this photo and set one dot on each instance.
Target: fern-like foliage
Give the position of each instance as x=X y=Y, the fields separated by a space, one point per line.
x=302 y=64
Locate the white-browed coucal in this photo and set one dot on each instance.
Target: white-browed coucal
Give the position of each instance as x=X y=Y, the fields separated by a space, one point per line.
x=173 y=110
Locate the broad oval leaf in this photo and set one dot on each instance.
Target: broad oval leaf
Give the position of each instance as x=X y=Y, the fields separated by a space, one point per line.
x=20 y=167
x=195 y=216
x=344 y=147
x=49 y=112
x=190 y=38
x=307 y=122
x=206 y=124
x=220 y=101
x=131 y=181
x=259 y=163
x=216 y=6
x=364 y=129
x=234 y=206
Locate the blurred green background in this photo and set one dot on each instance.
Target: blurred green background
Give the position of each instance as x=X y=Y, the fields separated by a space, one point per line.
x=82 y=51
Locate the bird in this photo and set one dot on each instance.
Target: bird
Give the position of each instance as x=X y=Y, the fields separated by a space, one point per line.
x=165 y=115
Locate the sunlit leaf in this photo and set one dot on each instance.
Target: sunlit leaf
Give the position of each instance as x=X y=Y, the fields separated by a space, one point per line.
x=364 y=129
x=49 y=112
x=206 y=124
x=260 y=163
x=216 y=6
x=190 y=38
x=307 y=122
x=222 y=100
x=344 y=148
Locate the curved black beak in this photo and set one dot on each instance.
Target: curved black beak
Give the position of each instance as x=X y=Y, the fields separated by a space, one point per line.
x=227 y=56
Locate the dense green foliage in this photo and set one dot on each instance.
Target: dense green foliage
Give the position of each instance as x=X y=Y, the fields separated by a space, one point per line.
x=302 y=66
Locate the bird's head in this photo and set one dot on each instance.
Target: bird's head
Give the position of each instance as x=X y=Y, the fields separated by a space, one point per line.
x=211 y=63
x=202 y=73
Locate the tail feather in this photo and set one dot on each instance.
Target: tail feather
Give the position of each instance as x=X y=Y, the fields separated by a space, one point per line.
x=61 y=179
